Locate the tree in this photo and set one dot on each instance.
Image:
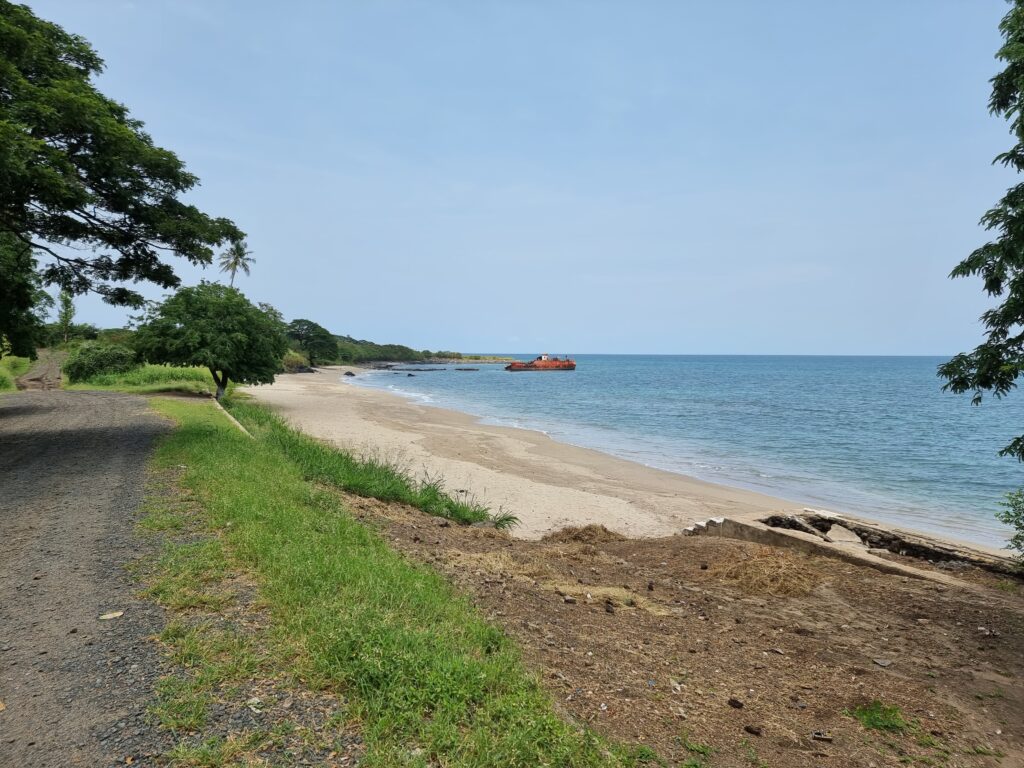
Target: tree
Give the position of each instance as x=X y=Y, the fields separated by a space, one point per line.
x=235 y=258
x=65 y=315
x=23 y=302
x=214 y=326
x=80 y=181
x=315 y=340
x=995 y=365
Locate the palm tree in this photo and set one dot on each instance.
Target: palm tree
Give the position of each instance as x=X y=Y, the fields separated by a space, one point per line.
x=235 y=258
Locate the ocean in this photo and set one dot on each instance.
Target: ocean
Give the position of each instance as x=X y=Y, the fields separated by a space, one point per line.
x=871 y=436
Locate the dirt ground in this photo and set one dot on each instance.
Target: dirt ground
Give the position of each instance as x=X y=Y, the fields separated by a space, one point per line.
x=723 y=653
x=45 y=373
x=74 y=686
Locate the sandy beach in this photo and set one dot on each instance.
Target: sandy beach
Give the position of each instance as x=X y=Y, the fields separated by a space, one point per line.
x=548 y=485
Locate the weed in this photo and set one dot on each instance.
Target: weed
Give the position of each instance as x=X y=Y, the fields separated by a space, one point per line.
x=879 y=717
x=214 y=752
x=180 y=704
x=981 y=749
x=696 y=747
x=751 y=754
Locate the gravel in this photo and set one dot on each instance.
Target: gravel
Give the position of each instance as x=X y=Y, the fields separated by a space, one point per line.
x=75 y=687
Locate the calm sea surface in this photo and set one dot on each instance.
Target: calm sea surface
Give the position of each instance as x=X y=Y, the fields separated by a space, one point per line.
x=874 y=436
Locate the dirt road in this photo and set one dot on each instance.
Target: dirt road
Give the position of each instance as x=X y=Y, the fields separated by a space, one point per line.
x=74 y=686
x=45 y=373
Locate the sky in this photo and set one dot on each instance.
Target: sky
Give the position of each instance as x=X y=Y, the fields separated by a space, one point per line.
x=581 y=176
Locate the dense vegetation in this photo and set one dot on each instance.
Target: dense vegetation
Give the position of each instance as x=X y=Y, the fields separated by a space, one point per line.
x=215 y=327
x=92 y=358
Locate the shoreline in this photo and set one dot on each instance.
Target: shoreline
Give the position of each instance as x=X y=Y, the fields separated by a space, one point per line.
x=547 y=484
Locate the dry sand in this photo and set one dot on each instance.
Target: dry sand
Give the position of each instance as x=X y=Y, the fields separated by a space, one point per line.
x=548 y=485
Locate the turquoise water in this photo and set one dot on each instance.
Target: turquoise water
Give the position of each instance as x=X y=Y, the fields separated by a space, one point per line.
x=873 y=436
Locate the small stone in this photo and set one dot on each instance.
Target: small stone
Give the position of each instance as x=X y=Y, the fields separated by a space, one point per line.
x=883 y=663
x=569 y=599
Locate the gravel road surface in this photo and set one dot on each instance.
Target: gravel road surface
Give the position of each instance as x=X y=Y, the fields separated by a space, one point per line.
x=74 y=687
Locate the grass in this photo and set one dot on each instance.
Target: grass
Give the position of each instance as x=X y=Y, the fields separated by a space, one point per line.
x=876 y=716
x=150 y=379
x=189 y=575
x=11 y=367
x=370 y=477
x=426 y=678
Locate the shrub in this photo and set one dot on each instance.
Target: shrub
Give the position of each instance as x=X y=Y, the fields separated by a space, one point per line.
x=1012 y=513
x=93 y=359
x=293 y=361
x=879 y=717
x=12 y=367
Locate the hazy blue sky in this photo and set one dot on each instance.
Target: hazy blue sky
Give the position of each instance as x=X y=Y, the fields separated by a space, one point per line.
x=705 y=177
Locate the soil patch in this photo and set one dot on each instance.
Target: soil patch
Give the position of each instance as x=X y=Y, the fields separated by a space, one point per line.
x=719 y=652
x=45 y=372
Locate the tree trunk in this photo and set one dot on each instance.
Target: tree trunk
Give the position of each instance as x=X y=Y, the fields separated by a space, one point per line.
x=221 y=382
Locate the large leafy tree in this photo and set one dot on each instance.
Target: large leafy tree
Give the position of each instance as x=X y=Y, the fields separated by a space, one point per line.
x=214 y=326
x=81 y=183
x=315 y=340
x=996 y=364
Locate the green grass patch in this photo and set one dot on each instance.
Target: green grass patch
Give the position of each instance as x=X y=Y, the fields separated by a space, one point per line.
x=373 y=478
x=149 y=379
x=981 y=749
x=187 y=576
x=181 y=704
x=11 y=367
x=876 y=716
x=429 y=681
x=215 y=752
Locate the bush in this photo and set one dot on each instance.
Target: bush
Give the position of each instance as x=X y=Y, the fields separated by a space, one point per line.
x=1012 y=513
x=93 y=359
x=12 y=367
x=294 y=361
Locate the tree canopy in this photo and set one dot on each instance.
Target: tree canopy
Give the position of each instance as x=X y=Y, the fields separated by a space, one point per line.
x=215 y=327
x=315 y=340
x=81 y=183
x=23 y=301
x=995 y=365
